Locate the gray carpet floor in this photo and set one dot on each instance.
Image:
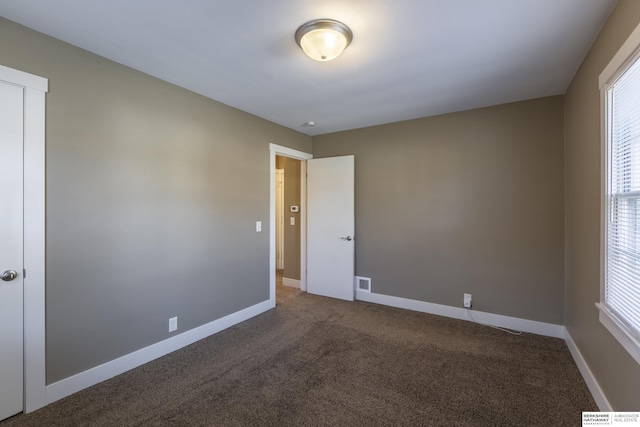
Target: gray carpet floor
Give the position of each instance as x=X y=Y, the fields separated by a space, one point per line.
x=314 y=361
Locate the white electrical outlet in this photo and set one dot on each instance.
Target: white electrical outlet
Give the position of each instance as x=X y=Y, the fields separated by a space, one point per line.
x=173 y=324
x=467 y=300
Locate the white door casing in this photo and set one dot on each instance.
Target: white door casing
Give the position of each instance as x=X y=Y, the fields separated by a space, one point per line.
x=331 y=227
x=11 y=262
x=32 y=256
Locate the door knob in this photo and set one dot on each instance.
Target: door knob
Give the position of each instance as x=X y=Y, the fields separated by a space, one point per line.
x=348 y=238
x=9 y=275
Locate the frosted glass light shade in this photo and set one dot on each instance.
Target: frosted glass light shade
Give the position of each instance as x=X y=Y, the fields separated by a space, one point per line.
x=323 y=39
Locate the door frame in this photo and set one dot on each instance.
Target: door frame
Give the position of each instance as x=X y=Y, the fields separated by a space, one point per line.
x=35 y=88
x=279 y=150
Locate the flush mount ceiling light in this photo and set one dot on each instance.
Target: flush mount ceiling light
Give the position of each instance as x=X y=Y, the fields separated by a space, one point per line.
x=323 y=39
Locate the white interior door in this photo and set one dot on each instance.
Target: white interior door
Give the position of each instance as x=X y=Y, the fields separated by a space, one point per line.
x=330 y=227
x=11 y=250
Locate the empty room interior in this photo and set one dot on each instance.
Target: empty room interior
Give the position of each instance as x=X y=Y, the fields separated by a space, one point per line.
x=178 y=176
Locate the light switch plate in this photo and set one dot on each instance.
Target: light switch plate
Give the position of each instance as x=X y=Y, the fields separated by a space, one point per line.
x=258 y=226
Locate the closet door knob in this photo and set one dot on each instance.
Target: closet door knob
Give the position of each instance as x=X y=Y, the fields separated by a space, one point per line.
x=9 y=275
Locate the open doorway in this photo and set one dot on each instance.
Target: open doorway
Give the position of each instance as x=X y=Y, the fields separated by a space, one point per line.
x=325 y=269
x=288 y=227
x=293 y=273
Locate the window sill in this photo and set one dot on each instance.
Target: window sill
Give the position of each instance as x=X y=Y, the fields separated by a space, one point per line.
x=620 y=332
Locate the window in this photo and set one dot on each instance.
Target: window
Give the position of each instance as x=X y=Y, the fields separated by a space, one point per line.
x=620 y=288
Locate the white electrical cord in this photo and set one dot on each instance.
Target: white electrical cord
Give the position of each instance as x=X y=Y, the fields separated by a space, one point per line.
x=470 y=318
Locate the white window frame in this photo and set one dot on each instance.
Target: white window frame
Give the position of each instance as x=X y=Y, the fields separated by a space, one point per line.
x=627 y=55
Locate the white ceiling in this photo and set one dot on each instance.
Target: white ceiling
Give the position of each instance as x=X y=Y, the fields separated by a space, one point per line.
x=408 y=58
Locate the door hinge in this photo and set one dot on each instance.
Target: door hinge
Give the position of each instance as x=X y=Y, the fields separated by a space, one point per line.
x=24 y=273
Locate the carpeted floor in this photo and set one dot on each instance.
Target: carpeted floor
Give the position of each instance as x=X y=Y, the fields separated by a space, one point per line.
x=314 y=361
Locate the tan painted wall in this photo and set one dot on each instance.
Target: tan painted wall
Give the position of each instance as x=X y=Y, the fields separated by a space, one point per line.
x=617 y=373
x=291 y=232
x=470 y=202
x=147 y=217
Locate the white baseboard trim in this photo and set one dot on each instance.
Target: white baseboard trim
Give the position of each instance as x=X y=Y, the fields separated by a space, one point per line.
x=293 y=283
x=75 y=383
x=532 y=326
x=592 y=383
